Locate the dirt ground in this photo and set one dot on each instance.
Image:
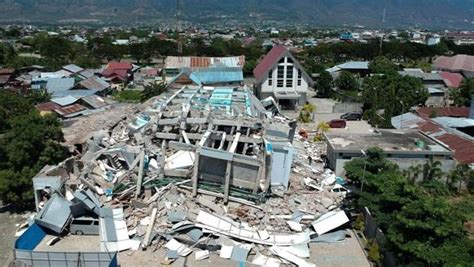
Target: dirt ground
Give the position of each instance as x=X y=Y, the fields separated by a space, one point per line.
x=8 y=225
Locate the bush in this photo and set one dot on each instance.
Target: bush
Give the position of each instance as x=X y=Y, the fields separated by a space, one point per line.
x=374 y=252
x=128 y=96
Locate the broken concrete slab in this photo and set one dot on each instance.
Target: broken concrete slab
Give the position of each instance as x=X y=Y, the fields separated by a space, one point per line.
x=182 y=249
x=330 y=221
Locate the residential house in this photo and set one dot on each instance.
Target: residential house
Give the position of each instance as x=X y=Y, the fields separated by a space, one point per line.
x=282 y=77
x=360 y=68
x=463 y=64
x=452 y=80
x=6 y=76
x=461 y=38
x=406 y=148
x=452 y=126
x=64 y=107
x=435 y=85
x=146 y=76
x=118 y=72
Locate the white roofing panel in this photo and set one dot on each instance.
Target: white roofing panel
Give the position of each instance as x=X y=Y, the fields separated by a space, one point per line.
x=330 y=221
x=64 y=101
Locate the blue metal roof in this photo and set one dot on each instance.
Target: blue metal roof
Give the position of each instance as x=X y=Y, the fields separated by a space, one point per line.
x=59 y=84
x=218 y=75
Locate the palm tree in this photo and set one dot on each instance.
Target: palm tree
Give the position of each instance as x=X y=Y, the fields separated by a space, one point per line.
x=413 y=172
x=432 y=170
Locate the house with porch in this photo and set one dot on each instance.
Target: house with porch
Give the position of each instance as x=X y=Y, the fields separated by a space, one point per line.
x=282 y=77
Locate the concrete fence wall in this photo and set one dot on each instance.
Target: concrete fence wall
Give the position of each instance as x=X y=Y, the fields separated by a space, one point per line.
x=347 y=107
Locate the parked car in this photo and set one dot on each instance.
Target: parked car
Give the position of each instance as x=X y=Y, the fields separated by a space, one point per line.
x=337 y=123
x=84 y=226
x=352 y=116
x=340 y=189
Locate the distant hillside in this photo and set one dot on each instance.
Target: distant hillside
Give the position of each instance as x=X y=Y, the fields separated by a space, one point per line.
x=429 y=13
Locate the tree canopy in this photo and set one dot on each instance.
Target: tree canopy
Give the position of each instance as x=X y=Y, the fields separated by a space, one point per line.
x=28 y=141
x=422 y=227
x=386 y=96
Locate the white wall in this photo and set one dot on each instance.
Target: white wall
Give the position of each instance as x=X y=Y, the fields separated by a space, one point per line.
x=303 y=88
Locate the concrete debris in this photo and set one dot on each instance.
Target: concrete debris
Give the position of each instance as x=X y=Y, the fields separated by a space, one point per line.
x=283 y=253
x=333 y=237
x=201 y=255
x=330 y=221
x=182 y=249
x=199 y=170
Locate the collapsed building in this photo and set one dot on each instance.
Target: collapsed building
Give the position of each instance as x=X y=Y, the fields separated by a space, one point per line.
x=174 y=164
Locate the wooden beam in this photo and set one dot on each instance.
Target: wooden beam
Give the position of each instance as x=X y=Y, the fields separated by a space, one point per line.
x=195 y=173
x=228 y=170
x=233 y=147
x=140 y=174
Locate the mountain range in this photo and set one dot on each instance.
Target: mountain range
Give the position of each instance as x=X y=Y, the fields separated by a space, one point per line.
x=424 y=13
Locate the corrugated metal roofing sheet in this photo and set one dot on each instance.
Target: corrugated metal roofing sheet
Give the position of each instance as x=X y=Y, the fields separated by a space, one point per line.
x=354 y=65
x=64 y=101
x=203 y=62
x=454 y=122
x=218 y=75
x=455 y=63
x=95 y=83
x=73 y=68
x=54 y=85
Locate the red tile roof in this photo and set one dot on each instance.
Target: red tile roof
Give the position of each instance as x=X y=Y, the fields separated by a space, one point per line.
x=452 y=80
x=7 y=71
x=120 y=65
x=117 y=69
x=462 y=147
x=455 y=63
x=268 y=62
x=458 y=112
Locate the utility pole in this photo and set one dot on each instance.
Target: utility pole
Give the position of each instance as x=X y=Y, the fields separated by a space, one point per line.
x=178 y=26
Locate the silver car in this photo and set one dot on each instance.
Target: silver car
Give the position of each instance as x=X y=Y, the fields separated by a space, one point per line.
x=84 y=226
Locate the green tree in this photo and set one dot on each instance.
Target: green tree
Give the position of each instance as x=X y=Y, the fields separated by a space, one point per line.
x=467 y=90
x=153 y=90
x=382 y=65
x=28 y=142
x=392 y=95
x=402 y=209
x=324 y=84
x=347 y=82
x=249 y=67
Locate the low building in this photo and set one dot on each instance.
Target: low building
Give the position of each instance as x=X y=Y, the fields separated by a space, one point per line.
x=118 y=72
x=452 y=126
x=461 y=38
x=281 y=76
x=404 y=147
x=463 y=64
x=355 y=67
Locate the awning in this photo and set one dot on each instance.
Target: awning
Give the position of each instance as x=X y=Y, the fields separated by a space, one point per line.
x=286 y=95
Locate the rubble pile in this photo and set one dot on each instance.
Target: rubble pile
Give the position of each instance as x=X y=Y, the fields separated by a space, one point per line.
x=195 y=172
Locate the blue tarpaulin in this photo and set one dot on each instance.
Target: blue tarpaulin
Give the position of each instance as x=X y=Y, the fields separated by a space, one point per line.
x=30 y=238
